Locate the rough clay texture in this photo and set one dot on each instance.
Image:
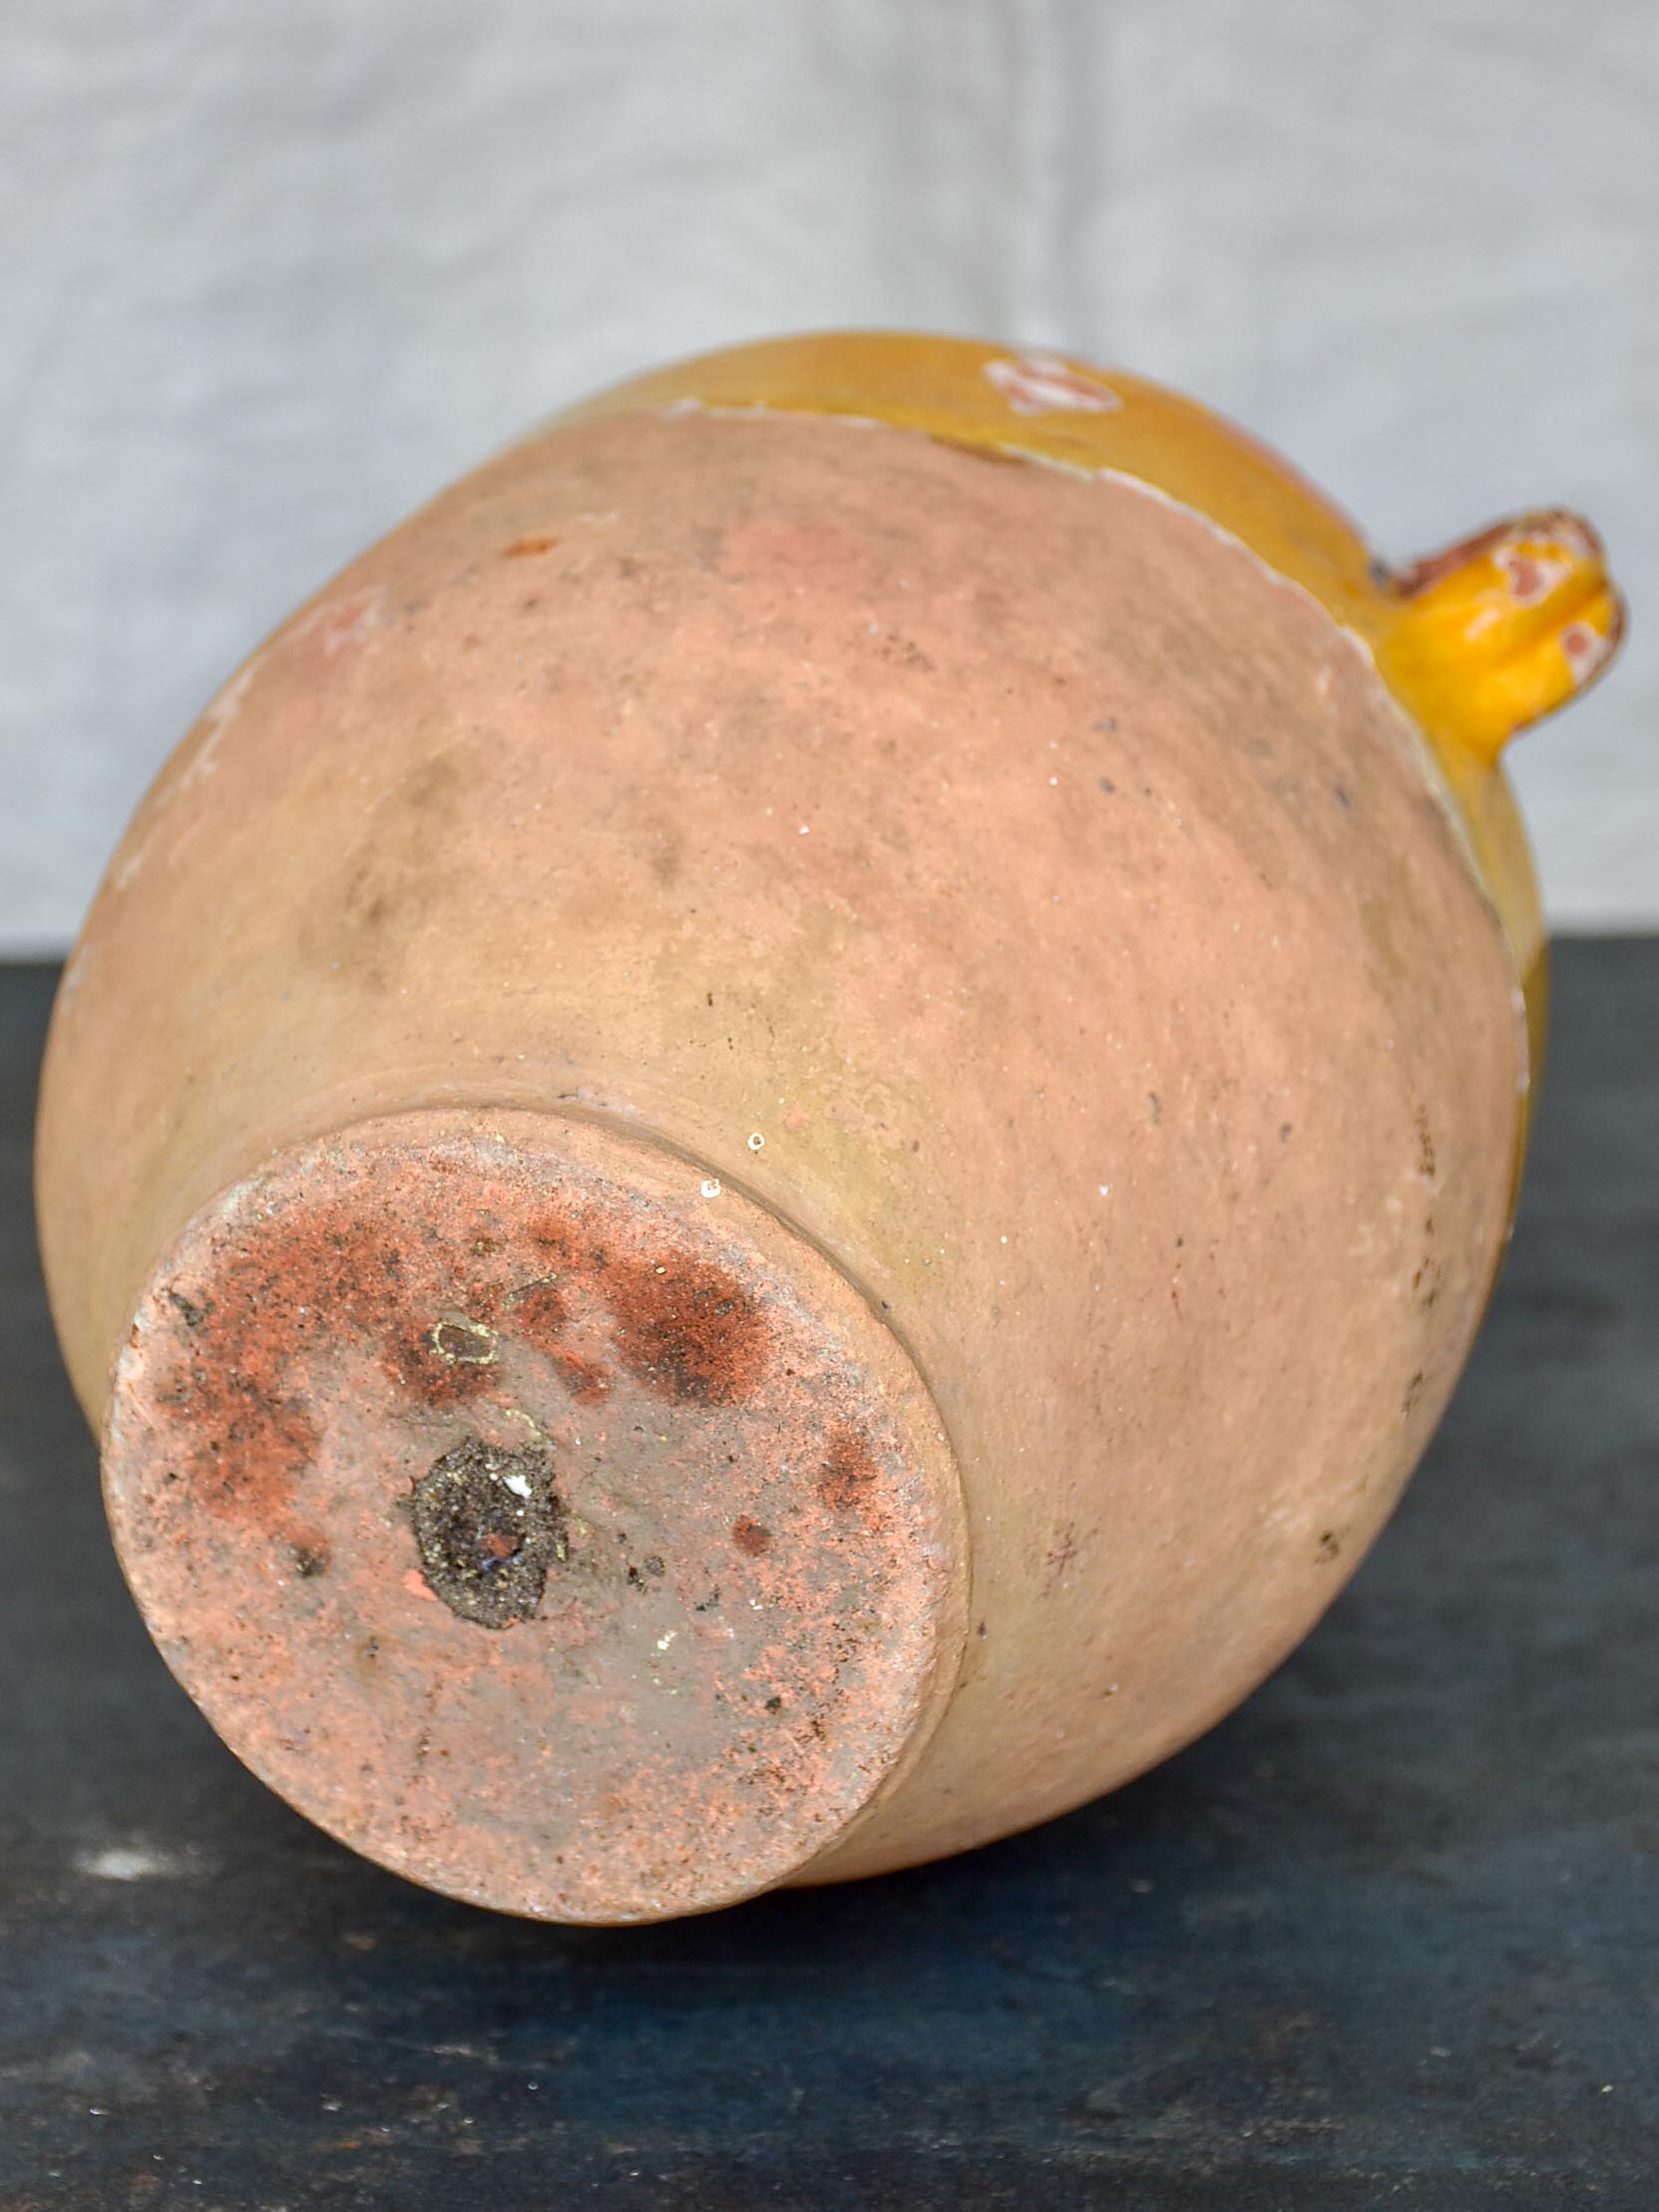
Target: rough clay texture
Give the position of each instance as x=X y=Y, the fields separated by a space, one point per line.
x=1057 y=897
x=555 y=1531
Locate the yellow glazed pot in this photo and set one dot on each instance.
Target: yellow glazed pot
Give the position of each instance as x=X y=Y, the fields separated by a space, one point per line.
x=769 y=1152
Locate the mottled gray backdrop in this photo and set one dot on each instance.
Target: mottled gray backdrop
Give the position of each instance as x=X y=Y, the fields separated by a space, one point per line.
x=274 y=270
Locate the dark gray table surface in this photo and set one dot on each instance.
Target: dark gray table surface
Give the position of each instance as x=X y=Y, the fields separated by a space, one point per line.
x=1387 y=1936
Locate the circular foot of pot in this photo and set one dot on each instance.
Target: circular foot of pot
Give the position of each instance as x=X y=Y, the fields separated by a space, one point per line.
x=544 y=1520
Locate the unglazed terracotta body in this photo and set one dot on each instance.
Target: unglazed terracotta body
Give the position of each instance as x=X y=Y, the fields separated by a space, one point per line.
x=769 y=1154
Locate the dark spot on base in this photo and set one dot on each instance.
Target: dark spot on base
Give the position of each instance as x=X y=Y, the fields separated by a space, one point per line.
x=438 y=1378
x=487 y=1527
x=464 y=1340
x=310 y=1559
x=750 y=1536
x=189 y=1312
x=684 y=1329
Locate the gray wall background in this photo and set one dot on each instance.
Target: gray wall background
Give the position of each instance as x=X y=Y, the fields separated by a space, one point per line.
x=275 y=269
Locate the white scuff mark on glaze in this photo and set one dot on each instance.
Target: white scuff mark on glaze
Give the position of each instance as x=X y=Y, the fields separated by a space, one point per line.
x=1587 y=650
x=1530 y=576
x=710 y=1187
x=1043 y=385
x=756 y=1141
x=1570 y=540
x=519 y=1485
x=1105 y=1188
x=662 y=1642
x=137 y=1862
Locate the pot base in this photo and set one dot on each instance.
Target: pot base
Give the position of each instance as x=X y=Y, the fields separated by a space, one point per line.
x=546 y=1519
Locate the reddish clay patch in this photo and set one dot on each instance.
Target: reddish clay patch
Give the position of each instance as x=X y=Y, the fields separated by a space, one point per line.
x=539 y=1314
x=567 y=1246
x=585 y=1379
x=687 y=1330
x=240 y=1375
x=849 y=1475
x=425 y=1365
x=536 y=541
x=250 y=1445
x=750 y=1536
x=247 y=1435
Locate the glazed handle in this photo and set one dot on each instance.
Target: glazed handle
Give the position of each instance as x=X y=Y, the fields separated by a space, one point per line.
x=1504 y=628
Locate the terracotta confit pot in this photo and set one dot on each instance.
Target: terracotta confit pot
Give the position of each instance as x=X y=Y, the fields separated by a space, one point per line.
x=769 y=1152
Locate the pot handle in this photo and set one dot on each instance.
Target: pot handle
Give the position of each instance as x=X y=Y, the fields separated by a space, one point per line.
x=1504 y=628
